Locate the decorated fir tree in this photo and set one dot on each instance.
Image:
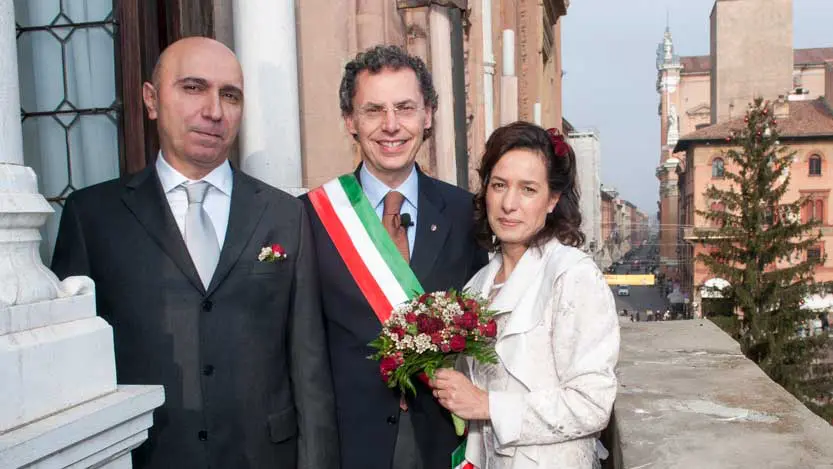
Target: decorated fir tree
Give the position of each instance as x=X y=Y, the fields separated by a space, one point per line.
x=759 y=243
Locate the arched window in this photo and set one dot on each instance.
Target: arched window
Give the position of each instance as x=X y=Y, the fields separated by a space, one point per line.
x=717 y=168
x=815 y=165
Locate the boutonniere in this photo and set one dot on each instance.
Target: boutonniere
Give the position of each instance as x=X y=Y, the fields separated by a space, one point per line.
x=272 y=253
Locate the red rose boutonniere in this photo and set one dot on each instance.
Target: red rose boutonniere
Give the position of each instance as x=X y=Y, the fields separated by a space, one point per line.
x=272 y=253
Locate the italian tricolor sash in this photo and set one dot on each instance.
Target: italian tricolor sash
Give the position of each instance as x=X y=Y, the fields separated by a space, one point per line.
x=381 y=273
x=458 y=458
x=383 y=276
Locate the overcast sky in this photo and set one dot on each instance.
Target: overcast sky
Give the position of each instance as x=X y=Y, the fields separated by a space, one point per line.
x=609 y=56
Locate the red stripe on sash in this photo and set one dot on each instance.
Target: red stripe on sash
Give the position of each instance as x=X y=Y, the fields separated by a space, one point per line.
x=355 y=265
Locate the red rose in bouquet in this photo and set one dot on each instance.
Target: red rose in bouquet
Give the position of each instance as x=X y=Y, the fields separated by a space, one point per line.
x=429 y=333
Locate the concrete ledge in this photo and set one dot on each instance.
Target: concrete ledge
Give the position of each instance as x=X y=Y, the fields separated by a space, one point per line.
x=98 y=433
x=20 y=318
x=51 y=368
x=688 y=398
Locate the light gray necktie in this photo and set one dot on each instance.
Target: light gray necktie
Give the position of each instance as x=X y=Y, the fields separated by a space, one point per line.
x=200 y=237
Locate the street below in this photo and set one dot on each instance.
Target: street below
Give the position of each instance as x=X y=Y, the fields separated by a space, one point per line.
x=640 y=260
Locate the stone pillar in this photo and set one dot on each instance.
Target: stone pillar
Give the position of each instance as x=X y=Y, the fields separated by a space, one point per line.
x=440 y=35
x=10 y=129
x=60 y=404
x=418 y=43
x=508 y=81
x=321 y=59
x=488 y=69
x=270 y=137
x=370 y=23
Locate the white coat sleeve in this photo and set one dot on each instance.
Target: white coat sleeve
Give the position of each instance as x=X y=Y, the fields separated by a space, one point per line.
x=585 y=344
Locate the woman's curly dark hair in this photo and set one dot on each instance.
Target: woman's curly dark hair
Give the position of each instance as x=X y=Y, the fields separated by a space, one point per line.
x=564 y=222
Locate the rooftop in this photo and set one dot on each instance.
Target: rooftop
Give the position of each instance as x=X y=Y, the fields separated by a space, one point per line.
x=814 y=56
x=807 y=119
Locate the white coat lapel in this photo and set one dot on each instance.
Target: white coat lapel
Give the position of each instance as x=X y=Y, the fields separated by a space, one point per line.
x=524 y=284
x=526 y=295
x=483 y=280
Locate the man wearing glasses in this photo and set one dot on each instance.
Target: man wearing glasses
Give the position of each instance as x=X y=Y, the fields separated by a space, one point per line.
x=387 y=100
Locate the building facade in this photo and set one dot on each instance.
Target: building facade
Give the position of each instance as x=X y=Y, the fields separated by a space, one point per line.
x=751 y=54
x=806 y=128
x=587 y=148
x=493 y=62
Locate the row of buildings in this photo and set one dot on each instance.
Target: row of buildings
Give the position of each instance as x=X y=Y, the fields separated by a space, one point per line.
x=704 y=98
x=612 y=225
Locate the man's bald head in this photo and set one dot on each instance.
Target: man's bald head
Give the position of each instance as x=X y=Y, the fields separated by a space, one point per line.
x=196 y=96
x=187 y=45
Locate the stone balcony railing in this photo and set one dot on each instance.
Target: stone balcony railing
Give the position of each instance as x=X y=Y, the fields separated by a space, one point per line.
x=689 y=399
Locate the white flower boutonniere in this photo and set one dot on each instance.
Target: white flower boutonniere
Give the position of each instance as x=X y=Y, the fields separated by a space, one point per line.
x=272 y=253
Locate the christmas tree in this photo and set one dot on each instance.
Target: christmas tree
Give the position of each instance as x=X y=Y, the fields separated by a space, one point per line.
x=760 y=244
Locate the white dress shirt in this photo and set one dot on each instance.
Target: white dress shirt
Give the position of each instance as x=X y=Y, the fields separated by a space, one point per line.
x=217 y=203
x=376 y=190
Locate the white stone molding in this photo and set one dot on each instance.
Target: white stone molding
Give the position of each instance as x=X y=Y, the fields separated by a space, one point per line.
x=99 y=433
x=265 y=41
x=23 y=277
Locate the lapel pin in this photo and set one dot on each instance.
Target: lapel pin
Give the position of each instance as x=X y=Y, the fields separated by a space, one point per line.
x=433 y=227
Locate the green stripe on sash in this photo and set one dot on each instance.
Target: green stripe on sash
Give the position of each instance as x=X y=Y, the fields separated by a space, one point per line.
x=380 y=237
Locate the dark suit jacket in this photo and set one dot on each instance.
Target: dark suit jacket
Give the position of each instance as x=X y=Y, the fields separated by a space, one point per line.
x=367 y=410
x=244 y=364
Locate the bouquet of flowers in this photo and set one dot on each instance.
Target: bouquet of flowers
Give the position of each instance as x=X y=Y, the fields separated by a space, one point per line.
x=429 y=333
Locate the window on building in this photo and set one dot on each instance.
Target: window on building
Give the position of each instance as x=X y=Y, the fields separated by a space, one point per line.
x=813 y=209
x=769 y=217
x=814 y=253
x=717 y=168
x=782 y=214
x=815 y=165
x=80 y=66
x=717 y=207
x=69 y=97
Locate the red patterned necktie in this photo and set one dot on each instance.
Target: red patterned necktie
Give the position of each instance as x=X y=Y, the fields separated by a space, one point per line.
x=393 y=223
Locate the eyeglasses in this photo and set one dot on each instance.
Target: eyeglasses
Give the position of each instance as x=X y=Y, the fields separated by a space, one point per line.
x=402 y=111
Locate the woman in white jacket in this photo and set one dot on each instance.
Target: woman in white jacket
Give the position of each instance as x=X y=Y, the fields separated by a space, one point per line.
x=551 y=392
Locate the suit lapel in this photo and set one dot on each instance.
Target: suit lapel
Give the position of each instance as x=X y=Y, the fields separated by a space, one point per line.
x=432 y=228
x=143 y=196
x=247 y=206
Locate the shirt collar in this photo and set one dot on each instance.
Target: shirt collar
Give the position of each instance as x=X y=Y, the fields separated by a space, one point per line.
x=376 y=190
x=220 y=177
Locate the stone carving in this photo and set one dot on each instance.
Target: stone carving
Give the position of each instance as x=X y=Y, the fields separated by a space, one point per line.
x=23 y=277
x=77 y=285
x=673 y=125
